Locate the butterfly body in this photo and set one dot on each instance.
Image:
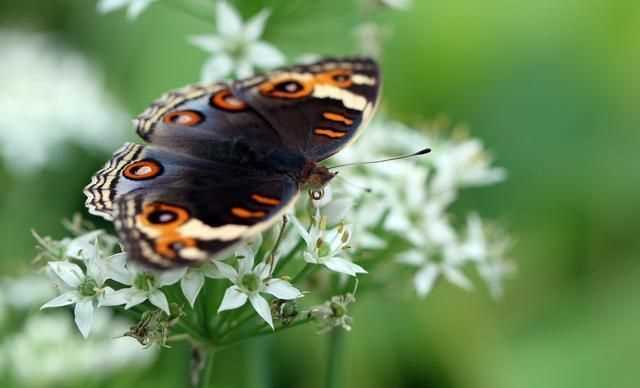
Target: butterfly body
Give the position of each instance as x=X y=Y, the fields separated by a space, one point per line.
x=225 y=161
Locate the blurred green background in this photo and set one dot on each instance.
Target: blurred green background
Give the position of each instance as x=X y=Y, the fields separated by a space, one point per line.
x=550 y=86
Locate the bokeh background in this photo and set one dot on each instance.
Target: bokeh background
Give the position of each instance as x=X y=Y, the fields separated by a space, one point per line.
x=550 y=86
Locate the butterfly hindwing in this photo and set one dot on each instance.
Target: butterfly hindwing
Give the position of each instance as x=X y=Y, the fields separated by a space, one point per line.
x=168 y=227
x=319 y=108
x=169 y=208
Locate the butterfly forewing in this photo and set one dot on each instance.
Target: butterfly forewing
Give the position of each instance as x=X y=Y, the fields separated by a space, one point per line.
x=319 y=108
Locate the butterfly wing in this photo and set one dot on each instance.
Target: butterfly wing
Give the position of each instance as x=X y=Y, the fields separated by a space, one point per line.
x=171 y=209
x=316 y=109
x=192 y=119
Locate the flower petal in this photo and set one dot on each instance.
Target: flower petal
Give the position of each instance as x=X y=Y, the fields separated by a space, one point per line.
x=226 y=270
x=262 y=308
x=191 y=284
x=233 y=298
x=265 y=55
x=302 y=231
x=133 y=297
x=115 y=268
x=281 y=289
x=425 y=279
x=244 y=68
x=245 y=265
x=136 y=8
x=105 y=6
x=84 y=316
x=83 y=247
x=211 y=43
x=216 y=68
x=228 y=20
x=339 y=264
x=110 y=297
x=65 y=299
x=456 y=276
x=68 y=272
x=255 y=26
x=337 y=210
x=158 y=299
x=169 y=277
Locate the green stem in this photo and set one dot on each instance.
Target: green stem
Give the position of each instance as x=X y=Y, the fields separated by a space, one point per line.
x=285 y=260
x=308 y=268
x=261 y=333
x=192 y=331
x=206 y=376
x=335 y=359
x=239 y=323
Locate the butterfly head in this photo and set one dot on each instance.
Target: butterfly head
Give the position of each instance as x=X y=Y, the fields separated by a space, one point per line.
x=316 y=176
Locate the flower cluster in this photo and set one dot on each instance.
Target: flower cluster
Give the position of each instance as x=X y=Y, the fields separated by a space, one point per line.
x=412 y=199
x=68 y=80
x=43 y=349
x=397 y=213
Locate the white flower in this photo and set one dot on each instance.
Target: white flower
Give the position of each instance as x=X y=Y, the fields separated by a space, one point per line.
x=449 y=266
x=192 y=282
x=398 y=4
x=334 y=209
x=27 y=291
x=83 y=246
x=488 y=254
x=326 y=247
x=249 y=283
x=85 y=291
x=493 y=272
x=134 y=7
x=144 y=283
x=462 y=164
x=61 y=91
x=46 y=352
x=236 y=47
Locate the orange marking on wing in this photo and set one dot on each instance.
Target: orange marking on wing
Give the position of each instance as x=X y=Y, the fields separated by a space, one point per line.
x=337 y=117
x=183 y=117
x=244 y=213
x=166 y=219
x=224 y=99
x=265 y=200
x=142 y=169
x=329 y=133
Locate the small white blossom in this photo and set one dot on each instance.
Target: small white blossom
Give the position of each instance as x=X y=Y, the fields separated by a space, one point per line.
x=449 y=267
x=334 y=208
x=249 y=283
x=134 y=7
x=27 y=291
x=36 y=65
x=47 y=352
x=493 y=272
x=325 y=247
x=144 y=283
x=398 y=4
x=488 y=254
x=192 y=282
x=235 y=48
x=85 y=291
x=462 y=164
x=83 y=246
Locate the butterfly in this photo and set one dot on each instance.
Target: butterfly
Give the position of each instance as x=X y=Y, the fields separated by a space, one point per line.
x=225 y=161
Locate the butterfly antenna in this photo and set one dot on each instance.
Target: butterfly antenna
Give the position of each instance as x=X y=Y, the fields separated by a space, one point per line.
x=357 y=186
x=423 y=151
